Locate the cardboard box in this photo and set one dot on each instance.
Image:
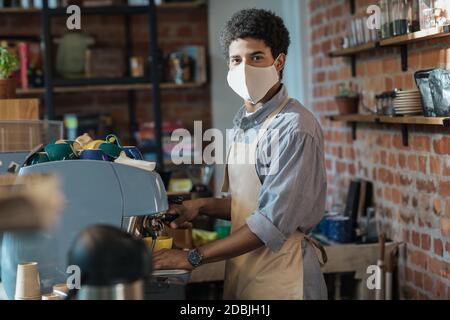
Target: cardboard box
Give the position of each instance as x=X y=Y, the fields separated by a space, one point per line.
x=181 y=238
x=19 y=109
x=16 y=133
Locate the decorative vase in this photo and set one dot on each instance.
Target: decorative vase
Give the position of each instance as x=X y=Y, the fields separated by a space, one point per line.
x=7 y=88
x=347 y=105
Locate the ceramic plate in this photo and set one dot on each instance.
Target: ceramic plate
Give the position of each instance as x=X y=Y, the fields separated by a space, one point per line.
x=160 y=273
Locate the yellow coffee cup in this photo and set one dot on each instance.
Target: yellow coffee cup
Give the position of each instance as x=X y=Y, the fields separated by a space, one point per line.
x=162 y=242
x=93 y=145
x=84 y=139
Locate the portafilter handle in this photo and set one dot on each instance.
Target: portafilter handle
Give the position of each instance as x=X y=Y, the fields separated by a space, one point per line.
x=169 y=217
x=159 y=220
x=176 y=200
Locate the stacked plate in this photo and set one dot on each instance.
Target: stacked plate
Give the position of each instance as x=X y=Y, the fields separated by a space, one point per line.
x=407 y=103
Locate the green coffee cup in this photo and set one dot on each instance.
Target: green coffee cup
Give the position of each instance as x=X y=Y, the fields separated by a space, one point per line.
x=58 y=152
x=111 y=146
x=112 y=138
x=39 y=157
x=110 y=149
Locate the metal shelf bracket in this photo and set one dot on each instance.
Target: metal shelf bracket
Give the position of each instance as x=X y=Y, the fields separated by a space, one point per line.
x=405 y=135
x=354 y=129
x=353 y=65
x=404 y=57
x=352 y=7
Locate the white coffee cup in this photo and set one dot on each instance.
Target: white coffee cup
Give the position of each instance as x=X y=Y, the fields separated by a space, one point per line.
x=27 y=282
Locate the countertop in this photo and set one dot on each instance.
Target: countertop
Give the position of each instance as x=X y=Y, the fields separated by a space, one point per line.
x=210 y=272
x=341 y=258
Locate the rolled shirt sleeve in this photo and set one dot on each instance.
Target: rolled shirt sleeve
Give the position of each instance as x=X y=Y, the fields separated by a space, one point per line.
x=293 y=193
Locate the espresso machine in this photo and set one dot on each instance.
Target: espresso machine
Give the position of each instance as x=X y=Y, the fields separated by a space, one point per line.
x=8 y=161
x=96 y=193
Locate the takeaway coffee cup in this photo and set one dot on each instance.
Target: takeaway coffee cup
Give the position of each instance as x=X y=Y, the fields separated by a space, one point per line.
x=27 y=282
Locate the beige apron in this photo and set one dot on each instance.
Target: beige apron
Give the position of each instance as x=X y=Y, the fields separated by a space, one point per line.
x=260 y=274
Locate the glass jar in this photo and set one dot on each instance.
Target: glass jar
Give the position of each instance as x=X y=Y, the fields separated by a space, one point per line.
x=379 y=104
x=385 y=31
x=414 y=15
x=389 y=104
x=442 y=12
x=426 y=14
x=383 y=103
x=399 y=17
x=386 y=104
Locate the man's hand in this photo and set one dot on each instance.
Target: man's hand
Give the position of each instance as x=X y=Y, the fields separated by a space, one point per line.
x=239 y=242
x=188 y=211
x=171 y=259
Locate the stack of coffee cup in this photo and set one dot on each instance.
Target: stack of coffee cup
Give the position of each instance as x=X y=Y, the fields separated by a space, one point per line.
x=27 y=282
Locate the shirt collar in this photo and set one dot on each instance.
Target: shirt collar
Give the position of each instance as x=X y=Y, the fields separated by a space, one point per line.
x=257 y=118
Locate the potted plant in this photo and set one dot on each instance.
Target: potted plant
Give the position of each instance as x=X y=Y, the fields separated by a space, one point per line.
x=8 y=64
x=347 y=99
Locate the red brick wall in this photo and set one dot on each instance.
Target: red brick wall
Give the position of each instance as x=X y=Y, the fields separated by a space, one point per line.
x=412 y=184
x=176 y=27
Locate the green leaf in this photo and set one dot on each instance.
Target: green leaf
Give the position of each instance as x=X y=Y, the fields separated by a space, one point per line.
x=8 y=63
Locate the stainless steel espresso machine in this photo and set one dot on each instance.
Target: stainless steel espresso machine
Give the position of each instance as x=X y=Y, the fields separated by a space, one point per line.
x=96 y=192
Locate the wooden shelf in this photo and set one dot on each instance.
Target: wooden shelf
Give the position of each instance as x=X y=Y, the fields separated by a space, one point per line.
x=429 y=34
x=126 y=84
x=181 y=5
x=109 y=88
x=30 y=91
x=354 y=50
x=400 y=41
x=19 y=11
x=124 y=9
x=419 y=120
x=354 y=118
x=404 y=121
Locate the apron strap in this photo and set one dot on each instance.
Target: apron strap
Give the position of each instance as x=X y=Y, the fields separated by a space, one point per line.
x=317 y=245
x=261 y=132
x=272 y=115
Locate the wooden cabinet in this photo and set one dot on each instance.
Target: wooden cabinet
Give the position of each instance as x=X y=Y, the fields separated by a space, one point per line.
x=20 y=129
x=19 y=109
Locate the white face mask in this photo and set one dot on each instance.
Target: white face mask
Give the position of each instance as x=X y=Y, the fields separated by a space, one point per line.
x=252 y=83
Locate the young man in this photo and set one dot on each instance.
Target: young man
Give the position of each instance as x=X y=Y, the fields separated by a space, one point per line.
x=278 y=196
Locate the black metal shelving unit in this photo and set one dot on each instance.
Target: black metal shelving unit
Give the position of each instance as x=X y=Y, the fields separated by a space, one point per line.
x=51 y=82
x=53 y=85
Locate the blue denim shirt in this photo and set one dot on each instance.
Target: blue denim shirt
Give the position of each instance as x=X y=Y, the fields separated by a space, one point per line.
x=292 y=197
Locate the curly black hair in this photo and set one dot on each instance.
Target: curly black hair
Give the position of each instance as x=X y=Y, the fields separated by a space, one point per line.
x=258 y=24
